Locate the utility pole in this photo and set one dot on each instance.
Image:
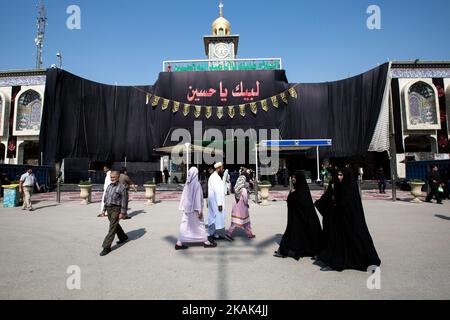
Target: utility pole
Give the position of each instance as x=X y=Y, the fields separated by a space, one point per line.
x=41 y=23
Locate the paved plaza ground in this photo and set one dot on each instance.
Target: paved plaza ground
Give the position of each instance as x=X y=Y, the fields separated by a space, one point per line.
x=38 y=247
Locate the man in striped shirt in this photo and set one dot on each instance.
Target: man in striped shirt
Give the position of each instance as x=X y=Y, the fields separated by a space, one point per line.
x=116 y=200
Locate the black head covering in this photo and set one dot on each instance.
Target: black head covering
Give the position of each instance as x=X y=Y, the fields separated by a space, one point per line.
x=300 y=183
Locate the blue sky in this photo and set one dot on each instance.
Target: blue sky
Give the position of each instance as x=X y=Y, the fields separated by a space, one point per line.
x=318 y=40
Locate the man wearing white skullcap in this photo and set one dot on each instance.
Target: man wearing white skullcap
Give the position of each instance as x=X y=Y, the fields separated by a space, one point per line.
x=216 y=203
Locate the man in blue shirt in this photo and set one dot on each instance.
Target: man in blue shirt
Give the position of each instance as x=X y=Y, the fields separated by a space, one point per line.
x=27 y=183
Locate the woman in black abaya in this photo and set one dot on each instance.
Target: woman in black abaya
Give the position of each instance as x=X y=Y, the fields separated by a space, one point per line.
x=349 y=244
x=302 y=237
x=325 y=206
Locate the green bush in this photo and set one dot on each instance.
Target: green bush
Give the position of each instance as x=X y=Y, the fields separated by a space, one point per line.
x=417 y=181
x=152 y=183
x=265 y=183
x=85 y=183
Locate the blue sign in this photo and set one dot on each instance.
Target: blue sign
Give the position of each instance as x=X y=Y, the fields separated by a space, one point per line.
x=298 y=143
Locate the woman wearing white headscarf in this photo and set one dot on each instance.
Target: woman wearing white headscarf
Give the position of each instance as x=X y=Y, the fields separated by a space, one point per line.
x=192 y=227
x=226 y=182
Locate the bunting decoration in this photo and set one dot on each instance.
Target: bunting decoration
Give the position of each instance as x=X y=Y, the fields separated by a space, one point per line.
x=175 y=107
x=219 y=112
x=275 y=102
x=242 y=110
x=231 y=110
x=186 y=109
x=197 y=111
x=254 y=108
x=293 y=92
x=284 y=98
x=155 y=101
x=264 y=105
x=208 y=112
x=165 y=104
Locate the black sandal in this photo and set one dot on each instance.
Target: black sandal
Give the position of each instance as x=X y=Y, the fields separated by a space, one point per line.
x=277 y=254
x=177 y=247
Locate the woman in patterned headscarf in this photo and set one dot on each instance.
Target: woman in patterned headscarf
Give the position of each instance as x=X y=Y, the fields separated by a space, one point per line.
x=240 y=217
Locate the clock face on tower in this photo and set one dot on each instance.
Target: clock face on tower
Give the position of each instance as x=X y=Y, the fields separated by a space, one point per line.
x=221 y=51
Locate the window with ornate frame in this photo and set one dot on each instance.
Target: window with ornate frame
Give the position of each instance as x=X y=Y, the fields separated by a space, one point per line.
x=421 y=106
x=28 y=113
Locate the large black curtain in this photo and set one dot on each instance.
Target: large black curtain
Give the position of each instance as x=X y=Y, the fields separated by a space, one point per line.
x=346 y=111
x=84 y=119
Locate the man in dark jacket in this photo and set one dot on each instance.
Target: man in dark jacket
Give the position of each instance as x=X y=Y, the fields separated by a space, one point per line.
x=116 y=202
x=434 y=182
x=381 y=180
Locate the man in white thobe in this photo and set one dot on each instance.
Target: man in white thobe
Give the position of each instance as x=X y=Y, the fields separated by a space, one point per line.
x=216 y=203
x=106 y=169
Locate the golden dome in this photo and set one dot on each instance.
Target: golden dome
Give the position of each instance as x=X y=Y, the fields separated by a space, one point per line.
x=221 y=26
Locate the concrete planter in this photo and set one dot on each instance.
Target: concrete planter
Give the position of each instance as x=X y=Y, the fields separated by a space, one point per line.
x=85 y=194
x=416 y=191
x=265 y=193
x=150 y=190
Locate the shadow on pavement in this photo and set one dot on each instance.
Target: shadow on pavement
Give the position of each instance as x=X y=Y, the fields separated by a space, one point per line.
x=136 y=234
x=136 y=213
x=43 y=207
x=132 y=236
x=442 y=217
x=222 y=255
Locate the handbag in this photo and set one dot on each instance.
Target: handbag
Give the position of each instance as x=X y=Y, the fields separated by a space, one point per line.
x=440 y=189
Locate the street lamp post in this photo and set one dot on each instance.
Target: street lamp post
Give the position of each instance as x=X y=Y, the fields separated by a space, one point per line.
x=59 y=56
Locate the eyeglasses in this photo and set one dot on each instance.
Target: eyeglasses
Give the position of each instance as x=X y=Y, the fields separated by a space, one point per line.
x=340 y=175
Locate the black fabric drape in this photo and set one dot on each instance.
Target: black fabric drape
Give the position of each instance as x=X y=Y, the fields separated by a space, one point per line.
x=84 y=119
x=346 y=111
x=175 y=86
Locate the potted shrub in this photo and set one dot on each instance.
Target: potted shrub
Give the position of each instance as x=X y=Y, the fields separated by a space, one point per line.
x=264 y=186
x=150 y=190
x=416 y=189
x=85 y=192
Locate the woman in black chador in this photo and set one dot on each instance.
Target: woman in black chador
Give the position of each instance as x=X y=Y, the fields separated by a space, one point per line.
x=348 y=244
x=325 y=205
x=302 y=237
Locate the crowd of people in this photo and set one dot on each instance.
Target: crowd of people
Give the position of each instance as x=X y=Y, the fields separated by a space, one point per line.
x=341 y=242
